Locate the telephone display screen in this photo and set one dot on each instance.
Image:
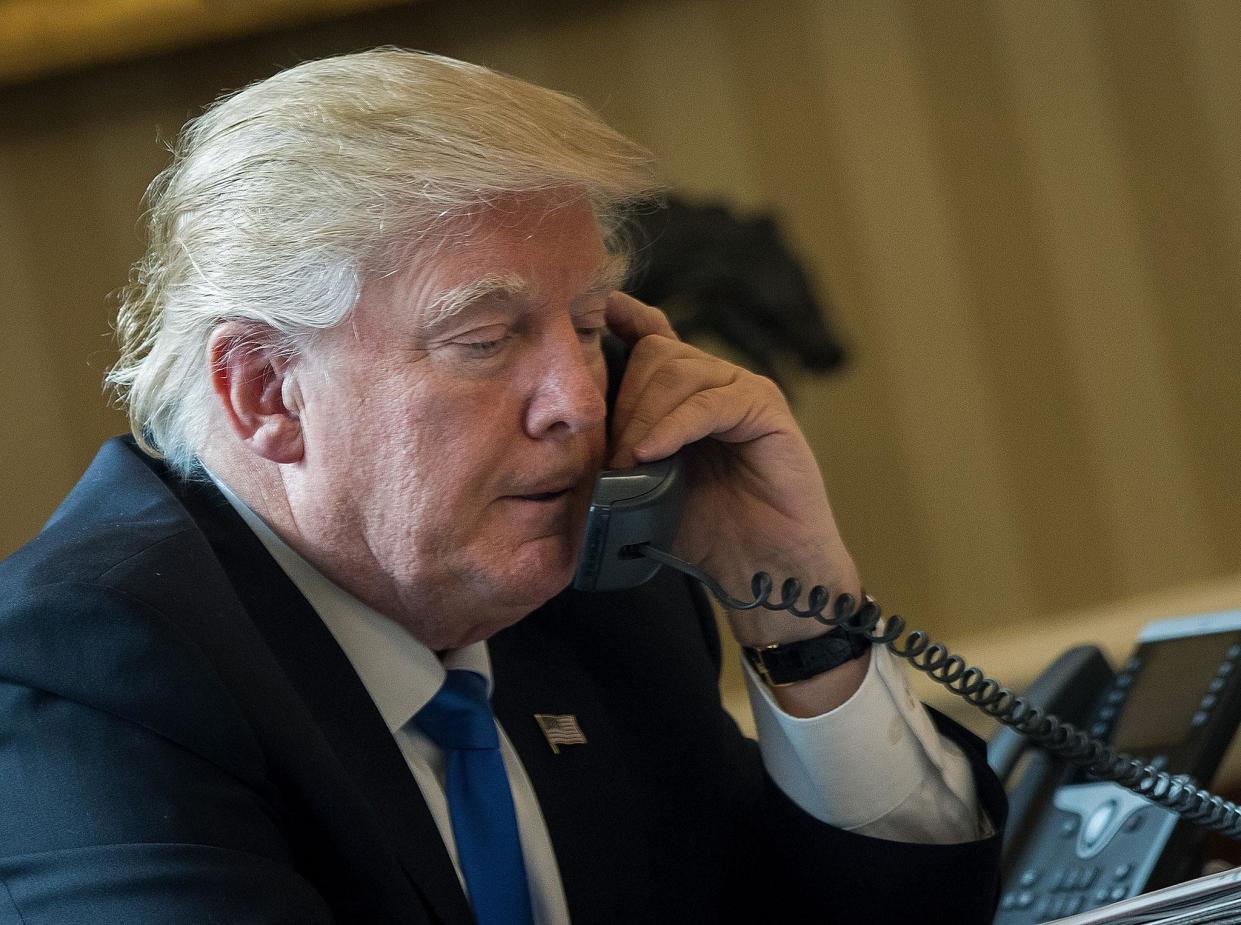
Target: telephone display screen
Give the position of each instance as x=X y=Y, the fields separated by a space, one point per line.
x=1168 y=691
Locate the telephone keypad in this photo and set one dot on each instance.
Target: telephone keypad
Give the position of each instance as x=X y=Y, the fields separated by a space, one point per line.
x=1069 y=890
x=1044 y=892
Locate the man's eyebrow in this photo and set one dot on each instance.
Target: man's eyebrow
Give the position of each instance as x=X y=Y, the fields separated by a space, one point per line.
x=452 y=302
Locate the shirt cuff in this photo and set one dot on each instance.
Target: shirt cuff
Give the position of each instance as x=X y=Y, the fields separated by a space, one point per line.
x=876 y=764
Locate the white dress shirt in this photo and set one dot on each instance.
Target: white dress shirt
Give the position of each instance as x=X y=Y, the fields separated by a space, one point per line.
x=875 y=765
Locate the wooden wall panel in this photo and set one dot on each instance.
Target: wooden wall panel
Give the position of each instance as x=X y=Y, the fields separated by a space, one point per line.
x=1026 y=216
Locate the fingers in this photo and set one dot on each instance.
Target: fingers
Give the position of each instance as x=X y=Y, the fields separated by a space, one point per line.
x=723 y=413
x=660 y=372
x=674 y=394
x=631 y=320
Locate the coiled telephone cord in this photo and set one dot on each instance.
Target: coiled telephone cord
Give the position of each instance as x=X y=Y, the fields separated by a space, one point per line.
x=1060 y=738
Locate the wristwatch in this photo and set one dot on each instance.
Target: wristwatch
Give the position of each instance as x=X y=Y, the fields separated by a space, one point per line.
x=780 y=665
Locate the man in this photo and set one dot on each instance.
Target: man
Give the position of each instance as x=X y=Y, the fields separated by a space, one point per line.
x=362 y=359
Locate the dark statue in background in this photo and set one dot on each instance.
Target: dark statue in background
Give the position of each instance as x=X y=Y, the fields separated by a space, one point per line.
x=734 y=278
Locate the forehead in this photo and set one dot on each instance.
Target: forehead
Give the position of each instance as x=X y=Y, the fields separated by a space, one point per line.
x=533 y=251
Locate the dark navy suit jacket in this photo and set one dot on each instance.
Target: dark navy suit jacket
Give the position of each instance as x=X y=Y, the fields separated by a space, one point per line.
x=182 y=741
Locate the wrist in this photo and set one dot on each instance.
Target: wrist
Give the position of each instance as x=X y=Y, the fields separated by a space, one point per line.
x=781 y=664
x=822 y=693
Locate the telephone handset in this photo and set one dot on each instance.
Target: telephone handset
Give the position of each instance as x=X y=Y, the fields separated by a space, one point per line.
x=1098 y=842
x=630 y=508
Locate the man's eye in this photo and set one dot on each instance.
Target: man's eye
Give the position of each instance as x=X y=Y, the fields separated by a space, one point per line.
x=590 y=334
x=483 y=348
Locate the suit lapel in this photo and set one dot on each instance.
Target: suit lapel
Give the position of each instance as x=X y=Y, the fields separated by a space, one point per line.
x=586 y=797
x=337 y=700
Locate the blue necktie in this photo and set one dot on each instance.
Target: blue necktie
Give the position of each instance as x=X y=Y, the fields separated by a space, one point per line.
x=484 y=823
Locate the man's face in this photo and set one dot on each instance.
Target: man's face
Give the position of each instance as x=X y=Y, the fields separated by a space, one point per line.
x=454 y=427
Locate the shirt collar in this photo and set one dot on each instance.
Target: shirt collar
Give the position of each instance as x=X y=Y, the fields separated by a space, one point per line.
x=399 y=672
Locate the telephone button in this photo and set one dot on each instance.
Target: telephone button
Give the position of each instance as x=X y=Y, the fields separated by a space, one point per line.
x=1200 y=719
x=1061 y=906
x=1122 y=871
x=1134 y=822
x=1225 y=669
x=1233 y=650
x=1103 y=895
x=1097 y=824
x=1103 y=809
x=1208 y=701
x=1086 y=877
x=1025 y=899
x=1118 y=893
x=1107 y=712
x=1123 y=680
x=1217 y=685
x=1068 y=827
x=1068 y=880
x=1072 y=879
x=1115 y=696
x=1030 y=877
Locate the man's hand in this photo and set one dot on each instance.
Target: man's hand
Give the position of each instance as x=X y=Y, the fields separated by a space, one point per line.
x=755 y=499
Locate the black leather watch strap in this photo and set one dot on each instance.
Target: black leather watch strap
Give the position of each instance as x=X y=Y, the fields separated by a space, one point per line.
x=779 y=665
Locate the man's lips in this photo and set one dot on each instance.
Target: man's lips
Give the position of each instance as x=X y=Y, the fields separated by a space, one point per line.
x=550 y=487
x=551 y=495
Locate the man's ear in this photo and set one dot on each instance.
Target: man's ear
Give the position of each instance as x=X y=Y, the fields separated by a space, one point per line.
x=253 y=378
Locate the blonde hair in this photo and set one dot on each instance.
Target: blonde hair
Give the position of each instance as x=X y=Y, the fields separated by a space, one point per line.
x=283 y=197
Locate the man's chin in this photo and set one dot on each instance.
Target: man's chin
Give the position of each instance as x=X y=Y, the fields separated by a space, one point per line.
x=536 y=572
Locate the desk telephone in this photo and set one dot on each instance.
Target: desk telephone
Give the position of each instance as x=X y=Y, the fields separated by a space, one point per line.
x=1108 y=805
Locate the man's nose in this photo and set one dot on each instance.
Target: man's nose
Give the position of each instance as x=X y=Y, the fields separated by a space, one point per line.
x=568 y=394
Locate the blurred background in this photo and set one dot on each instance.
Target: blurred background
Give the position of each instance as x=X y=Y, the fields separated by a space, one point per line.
x=1023 y=219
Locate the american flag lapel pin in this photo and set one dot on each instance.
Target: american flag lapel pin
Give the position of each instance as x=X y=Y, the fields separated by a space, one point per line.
x=560 y=729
